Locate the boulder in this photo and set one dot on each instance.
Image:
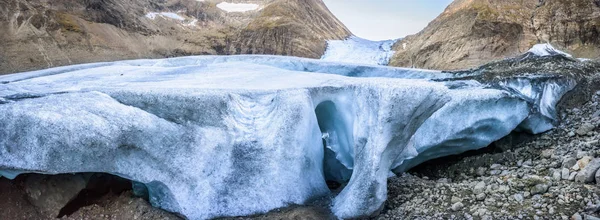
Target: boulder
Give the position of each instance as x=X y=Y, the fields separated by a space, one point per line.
x=585 y=129
x=588 y=173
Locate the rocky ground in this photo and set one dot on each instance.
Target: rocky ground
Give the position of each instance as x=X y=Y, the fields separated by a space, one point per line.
x=551 y=176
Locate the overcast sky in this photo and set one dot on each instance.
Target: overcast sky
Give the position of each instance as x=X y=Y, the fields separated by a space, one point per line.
x=386 y=19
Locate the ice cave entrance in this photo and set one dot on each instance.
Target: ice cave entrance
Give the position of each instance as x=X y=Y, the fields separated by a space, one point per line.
x=337 y=143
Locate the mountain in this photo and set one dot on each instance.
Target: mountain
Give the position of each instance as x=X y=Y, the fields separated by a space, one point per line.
x=40 y=34
x=470 y=33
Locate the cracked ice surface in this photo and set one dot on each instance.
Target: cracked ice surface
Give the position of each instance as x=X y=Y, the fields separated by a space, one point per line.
x=209 y=136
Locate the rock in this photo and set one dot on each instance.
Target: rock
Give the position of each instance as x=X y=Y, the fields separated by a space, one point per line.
x=51 y=193
x=576 y=216
x=547 y=153
x=556 y=175
x=596 y=114
x=565 y=173
x=589 y=217
x=495 y=166
x=481 y=171
x=571 y=134
x=588 y=173
x=539 y=189
x=575 y=167
x=585 y=129
x=457 y=206
x=480 y=196
x=528 y=163
x=455 y=199
x=569 y=162
x=443 y=180
x=580 y=154
x=583 y=162
x=518 y=197
x=572 y=176
x=597 y=177
x=479 y=188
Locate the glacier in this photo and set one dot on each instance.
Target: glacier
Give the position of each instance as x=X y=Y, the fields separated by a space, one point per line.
x=359 y=51
x=208 y=136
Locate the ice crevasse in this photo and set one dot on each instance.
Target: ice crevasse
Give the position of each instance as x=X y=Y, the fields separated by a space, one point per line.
x=208 y=136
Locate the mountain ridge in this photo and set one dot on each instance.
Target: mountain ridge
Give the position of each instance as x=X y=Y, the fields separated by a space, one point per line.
x=470 y=33
x=42 y=34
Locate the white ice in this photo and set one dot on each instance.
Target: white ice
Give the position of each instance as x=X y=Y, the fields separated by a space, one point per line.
x=474 y=119
x=211 y=135
x=546 y=50
x=360 y=51
x=543 y=93
x=237 y=7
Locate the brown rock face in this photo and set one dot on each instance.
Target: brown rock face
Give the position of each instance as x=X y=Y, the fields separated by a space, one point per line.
x=470 y=33
x=304 y=34
x=50 y=193
x=43 y=33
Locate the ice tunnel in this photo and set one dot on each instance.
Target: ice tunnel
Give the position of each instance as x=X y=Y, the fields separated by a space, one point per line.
x=337 y=143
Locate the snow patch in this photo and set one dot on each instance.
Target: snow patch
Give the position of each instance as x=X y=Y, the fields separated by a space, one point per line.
x=360 y=51
x=237 y=7
x=153 y=15
x=547 y=50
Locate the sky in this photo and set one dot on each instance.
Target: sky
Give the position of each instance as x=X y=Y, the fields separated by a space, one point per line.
x=386 y=19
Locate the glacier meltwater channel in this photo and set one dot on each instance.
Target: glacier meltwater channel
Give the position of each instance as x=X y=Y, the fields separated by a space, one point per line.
x=209 y=136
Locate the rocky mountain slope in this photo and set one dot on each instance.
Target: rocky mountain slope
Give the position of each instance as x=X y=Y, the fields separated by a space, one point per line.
x=473 y=32
x=40 y=34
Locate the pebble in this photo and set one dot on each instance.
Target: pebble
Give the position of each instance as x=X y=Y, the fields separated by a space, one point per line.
x=457 y=206
x=480 y=196
x=569 y=162
x=572 y=176
x=547 y=153
x=556 y=175
x=479 y=188
x=539 y=189
x=585 y=129
x=455 y=199
x=565 y=173
x=519 y=197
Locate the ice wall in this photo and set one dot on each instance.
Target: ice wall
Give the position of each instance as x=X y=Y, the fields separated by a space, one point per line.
x=544 y=93
x=472 y=120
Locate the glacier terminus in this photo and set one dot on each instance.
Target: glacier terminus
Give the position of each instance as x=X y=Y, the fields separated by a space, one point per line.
x=209 y=136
